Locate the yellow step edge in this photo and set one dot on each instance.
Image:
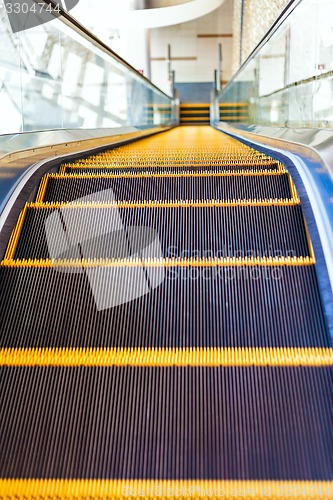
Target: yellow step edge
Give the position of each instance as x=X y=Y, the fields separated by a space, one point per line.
x=128 y=160
x=195 y=105
x=165 y=263
x=42 y=188
x=13 y=242
x=185 y=157
x=196 y=116
x=214 y=173
x=103 y=489
x=175 y=164
x=292 y=187
x=195 y=111
x=180 y=154
x=165 y=204
x=248 y=171
x=166 y=357
x=159 y=162
x=194 y=149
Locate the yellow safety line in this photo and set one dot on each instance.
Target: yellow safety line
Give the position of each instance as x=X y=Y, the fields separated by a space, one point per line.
x=199 y=112
x=165 y=204
x=166 y=357
x=165 y=263
x=184 y=157
x=294 y=193
x=195 y=105
x=194 y=173
x=292 y=187
x=194 y=118
x=311 y=251
x=103 y=489
x=213 y=173
x=12 y=245
x=243 y=166
x=42 y=188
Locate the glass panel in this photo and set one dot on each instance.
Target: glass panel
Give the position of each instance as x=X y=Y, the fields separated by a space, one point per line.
x=10 y=76
x=289 y=81
x=53 y=77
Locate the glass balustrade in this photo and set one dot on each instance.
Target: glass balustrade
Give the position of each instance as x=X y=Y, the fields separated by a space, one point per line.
x=288 y=81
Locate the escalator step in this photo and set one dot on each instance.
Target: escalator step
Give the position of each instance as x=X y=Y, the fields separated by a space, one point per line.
x=227 y=231
x=192 y=307
x=167 y=423
x=68 y=188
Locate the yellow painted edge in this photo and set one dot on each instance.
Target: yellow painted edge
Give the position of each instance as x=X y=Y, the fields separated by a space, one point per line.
x=166 y=204
x=169 y=163
x=166 y=263
x=195 y=173
x=281 y=168
x=194 y=118
x=227 y=173
x=293 y=192
x=166 y=357
x=292 y=187
x=191 y=111
x=310 y=246
x=195 y=105
x=12 y=245
x=42 y=188
x=22 y=489
x=245 y=168
x=63 y=168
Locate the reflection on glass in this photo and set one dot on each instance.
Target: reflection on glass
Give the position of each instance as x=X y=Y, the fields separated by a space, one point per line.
x=52 y=78
x=289 y=81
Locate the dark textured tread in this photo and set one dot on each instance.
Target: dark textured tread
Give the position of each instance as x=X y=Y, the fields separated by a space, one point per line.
x=235 y=231
x=192 y=307
x=169 y=188
x=167 y=423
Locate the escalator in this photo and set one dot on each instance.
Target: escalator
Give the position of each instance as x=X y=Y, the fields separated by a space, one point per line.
x=163 y=333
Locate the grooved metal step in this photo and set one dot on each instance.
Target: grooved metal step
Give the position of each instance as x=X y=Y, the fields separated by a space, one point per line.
x=192 y=307
x=246 y=423
x=57 y=188
x=227 y=231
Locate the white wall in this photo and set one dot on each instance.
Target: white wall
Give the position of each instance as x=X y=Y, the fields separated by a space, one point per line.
x=185 y=42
